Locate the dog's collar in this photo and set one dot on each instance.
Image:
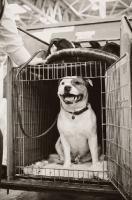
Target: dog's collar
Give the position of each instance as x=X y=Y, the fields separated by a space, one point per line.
x=76 y=112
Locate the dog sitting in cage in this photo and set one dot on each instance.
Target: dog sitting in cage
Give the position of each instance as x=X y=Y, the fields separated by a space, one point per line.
x=76 y=123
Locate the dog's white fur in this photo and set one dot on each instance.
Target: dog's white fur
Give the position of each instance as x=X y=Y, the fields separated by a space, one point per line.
x=77 y=136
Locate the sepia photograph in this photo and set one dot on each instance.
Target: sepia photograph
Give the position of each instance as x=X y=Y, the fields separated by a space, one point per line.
x=65 y=99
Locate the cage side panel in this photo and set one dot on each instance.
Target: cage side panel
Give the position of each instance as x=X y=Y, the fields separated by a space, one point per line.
x=118 y=125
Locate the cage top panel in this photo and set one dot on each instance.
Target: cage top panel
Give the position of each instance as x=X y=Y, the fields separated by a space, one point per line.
x=93 y=69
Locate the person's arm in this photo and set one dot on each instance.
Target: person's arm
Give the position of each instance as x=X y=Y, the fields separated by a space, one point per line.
x=11 y=42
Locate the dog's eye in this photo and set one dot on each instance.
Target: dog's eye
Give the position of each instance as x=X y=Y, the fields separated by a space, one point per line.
x=77 y=83
x=62 y=83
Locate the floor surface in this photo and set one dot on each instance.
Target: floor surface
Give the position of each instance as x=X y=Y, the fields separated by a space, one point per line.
x=26 y=195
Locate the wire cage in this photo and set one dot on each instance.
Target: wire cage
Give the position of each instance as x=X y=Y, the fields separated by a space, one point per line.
x=110 y=98
x=39 y=105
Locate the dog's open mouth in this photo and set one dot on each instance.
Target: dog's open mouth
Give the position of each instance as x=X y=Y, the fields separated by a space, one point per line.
x=71 y=98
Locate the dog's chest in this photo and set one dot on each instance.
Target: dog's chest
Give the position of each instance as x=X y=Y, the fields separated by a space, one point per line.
x=73 y=128
x=74 y=132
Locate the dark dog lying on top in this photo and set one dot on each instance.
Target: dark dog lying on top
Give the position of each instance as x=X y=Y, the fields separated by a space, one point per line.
x=57 y=44
x=110 y=47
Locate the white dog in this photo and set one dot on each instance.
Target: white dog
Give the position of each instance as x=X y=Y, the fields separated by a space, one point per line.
x=76 y=122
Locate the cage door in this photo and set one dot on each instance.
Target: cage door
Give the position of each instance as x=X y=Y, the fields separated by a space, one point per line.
x=118 y=126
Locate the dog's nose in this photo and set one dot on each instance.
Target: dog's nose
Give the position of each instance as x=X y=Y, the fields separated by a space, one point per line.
x=67 y=88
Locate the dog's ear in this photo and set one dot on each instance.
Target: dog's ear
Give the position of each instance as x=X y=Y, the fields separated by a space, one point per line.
x=88 y=81
x=59 y=81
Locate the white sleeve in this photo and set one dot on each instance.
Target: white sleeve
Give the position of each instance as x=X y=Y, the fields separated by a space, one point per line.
x=10 y=40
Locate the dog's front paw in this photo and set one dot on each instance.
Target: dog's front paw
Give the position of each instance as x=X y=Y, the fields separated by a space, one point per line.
x=67 y=165
x=93 y=171
x=96 y=167
x=93 y=168
x=98 y=170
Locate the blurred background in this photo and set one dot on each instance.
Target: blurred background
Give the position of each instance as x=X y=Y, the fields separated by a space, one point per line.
x=36 y=13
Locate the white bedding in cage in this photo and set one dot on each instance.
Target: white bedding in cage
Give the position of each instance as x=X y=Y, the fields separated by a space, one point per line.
x=76 y=171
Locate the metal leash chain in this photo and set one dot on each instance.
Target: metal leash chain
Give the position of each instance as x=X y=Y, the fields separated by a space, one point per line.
x=18 y=101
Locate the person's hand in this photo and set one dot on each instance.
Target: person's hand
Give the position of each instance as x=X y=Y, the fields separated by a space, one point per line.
x=36 y=61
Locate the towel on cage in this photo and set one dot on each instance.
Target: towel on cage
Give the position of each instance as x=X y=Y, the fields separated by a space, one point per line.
x=81 y=55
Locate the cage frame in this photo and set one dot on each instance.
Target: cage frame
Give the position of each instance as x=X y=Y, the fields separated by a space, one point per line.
x=83 y=68
x=47 y=185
